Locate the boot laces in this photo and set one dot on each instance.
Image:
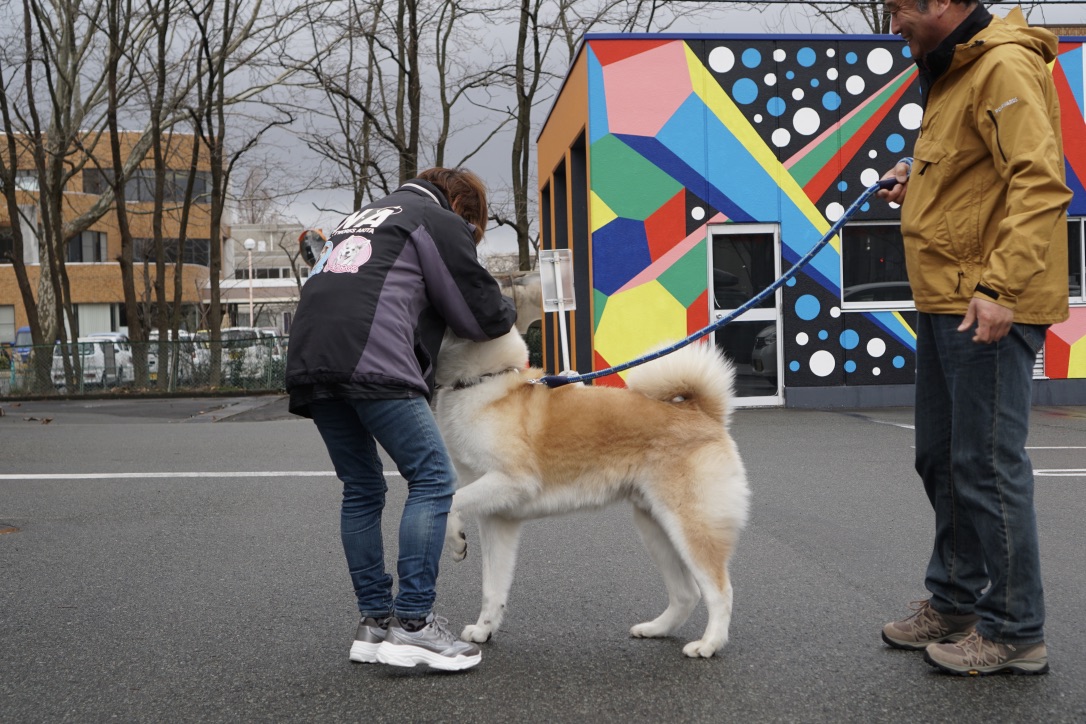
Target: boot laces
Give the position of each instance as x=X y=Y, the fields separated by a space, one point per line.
x=927 y=619
x=978 y=652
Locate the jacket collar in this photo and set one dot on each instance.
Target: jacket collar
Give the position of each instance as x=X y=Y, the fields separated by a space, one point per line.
x=427 y=189
x=933 y=65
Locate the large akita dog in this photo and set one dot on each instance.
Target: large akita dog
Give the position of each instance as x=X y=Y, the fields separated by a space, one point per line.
x=525 y=451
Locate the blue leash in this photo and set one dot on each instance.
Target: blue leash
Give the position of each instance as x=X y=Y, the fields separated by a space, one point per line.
x=559 y=380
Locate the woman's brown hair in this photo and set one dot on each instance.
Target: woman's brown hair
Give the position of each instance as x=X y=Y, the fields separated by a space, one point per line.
x=465 y=192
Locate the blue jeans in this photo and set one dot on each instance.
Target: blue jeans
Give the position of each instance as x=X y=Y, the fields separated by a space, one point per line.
x=406 y=429
x=972 y=419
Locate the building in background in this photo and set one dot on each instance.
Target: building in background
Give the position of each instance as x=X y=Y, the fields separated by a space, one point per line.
x=686 y=173
x=274 y=283
x=91 y=257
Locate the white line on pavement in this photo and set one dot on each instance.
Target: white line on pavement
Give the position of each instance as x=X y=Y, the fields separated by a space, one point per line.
x=231 y=474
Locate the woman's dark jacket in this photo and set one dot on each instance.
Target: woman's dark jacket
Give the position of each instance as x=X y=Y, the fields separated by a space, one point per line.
x=375 y=307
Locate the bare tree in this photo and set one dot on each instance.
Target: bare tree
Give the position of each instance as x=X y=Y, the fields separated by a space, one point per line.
x=58 y=54
x=257 y=201
x=232 y=37
x=548 y=33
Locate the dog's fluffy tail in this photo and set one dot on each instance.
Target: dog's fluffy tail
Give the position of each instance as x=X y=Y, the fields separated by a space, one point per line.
x=696 y=373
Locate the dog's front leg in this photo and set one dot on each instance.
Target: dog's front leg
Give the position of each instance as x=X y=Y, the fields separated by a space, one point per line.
x=456 y=539
x=498 y=540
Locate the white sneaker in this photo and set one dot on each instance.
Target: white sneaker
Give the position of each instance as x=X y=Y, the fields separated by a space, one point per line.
x=432 y=645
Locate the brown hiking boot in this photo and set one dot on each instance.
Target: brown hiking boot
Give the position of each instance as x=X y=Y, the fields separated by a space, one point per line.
x=927 y=626
x=977 y=656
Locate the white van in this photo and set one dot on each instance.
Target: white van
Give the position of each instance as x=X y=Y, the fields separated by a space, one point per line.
x=96 y=358
x=245 y=353
x=122 y=351
x=186 y=356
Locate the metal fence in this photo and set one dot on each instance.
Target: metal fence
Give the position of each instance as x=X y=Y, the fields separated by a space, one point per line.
x=114 y=366
x=111 y=366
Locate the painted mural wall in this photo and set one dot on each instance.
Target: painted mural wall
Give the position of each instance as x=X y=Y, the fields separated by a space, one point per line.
x=688 y=132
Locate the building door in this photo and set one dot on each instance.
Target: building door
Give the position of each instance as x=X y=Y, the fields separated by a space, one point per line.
x=745 y=259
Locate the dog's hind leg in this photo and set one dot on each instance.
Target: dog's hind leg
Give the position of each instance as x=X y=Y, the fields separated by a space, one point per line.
x=682 y=590
x=719 y=603
x=707 y=550
x=498 y=541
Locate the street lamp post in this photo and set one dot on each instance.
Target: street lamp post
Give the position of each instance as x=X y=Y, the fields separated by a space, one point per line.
x=250 y=244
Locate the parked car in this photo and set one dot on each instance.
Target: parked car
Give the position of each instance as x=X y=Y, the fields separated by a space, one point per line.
x=96 y=360
x=186 y=356
x=763 y=358
x=122 y=351
x=22 y=344
x=276 y=342
x=246 y=353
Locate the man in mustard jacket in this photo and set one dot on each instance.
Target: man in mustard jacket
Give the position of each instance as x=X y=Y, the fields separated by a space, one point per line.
x=984 y=223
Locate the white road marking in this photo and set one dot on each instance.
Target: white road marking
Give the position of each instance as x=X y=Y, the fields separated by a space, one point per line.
x=231 y=474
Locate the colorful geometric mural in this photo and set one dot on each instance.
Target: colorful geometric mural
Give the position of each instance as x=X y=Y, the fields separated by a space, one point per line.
x=1065 y=347
x=684 y=133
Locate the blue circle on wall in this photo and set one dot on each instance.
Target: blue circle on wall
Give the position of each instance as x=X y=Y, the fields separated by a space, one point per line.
x=794 y=366
x=806 y=57
x=823 y=335
x=751 y=58
x=745 y=91
x=850 y=366
x=906 y=51
x=842 y=185
x=775 y=106
x=899 y=361
x=851 y=58
x=814 y=82
x=849 y=339
x=808 y=307
x=831 y=101
x=790 y=75
x=895 y=142
x=791 y=282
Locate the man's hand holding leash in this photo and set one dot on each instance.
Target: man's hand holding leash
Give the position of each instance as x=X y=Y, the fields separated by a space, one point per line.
x=900 y=172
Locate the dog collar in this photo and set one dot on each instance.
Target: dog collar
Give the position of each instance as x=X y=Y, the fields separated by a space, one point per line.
x=472 y=381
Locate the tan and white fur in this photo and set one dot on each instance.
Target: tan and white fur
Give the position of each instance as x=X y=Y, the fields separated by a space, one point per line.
x=525 y=451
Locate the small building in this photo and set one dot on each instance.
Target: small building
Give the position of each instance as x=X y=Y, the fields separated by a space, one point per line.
x=687 y=172
x=270 y=275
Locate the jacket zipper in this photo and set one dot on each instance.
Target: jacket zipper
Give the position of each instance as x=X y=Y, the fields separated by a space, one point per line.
x=998 y=142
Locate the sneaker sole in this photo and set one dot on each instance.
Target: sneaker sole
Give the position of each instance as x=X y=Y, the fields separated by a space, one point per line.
x=364 y=653
x=912 y=646
x=1023 y=667
x=410 y=656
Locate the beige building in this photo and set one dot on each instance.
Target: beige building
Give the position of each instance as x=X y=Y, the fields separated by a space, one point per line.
x=90 y=259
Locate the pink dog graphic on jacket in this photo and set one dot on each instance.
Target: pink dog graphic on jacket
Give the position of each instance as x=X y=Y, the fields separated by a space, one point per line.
x=352 y=253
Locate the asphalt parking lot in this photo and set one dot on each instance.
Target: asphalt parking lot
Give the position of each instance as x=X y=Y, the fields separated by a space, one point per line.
x=179 y=560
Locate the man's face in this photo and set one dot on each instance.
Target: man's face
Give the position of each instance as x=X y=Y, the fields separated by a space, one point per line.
x=921 y=30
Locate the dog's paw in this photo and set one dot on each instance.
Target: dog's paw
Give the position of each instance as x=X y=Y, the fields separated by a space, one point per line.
x=476 y=633
x=700 y=649
x=648 y=630
x=457 y=542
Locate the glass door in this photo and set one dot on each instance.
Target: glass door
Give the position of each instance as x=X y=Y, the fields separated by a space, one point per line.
x=744 y=260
